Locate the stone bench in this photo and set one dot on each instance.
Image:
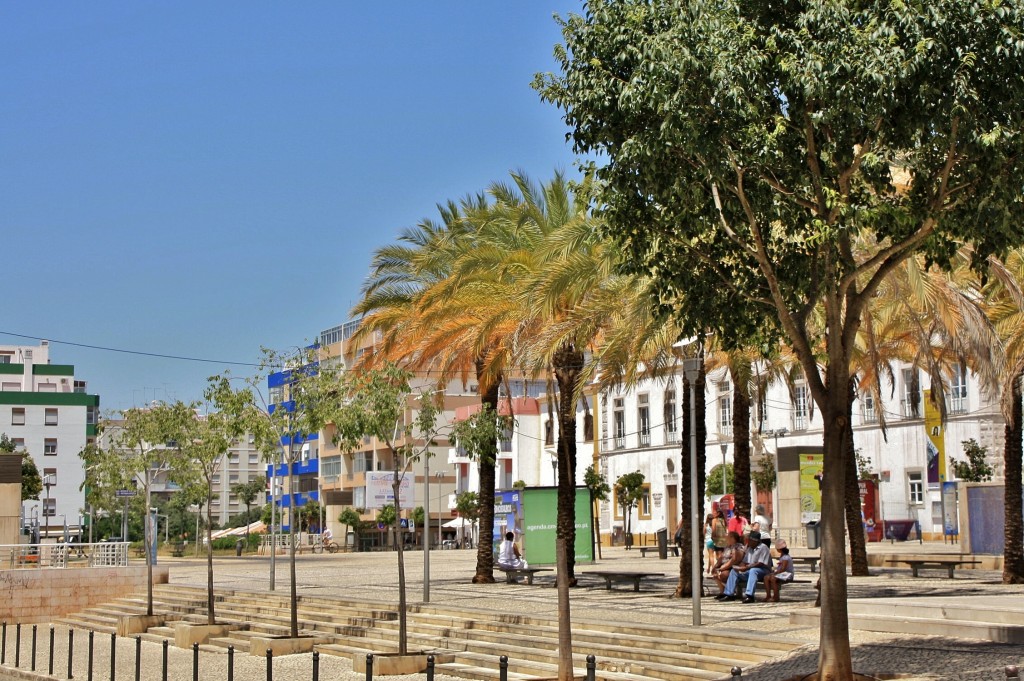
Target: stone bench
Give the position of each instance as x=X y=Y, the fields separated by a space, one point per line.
x=672 y=548
x=511 y=574
x=635 y=577
x=947 y=564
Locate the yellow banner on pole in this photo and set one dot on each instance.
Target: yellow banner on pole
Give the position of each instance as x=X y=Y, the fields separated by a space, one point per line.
x=936 y=440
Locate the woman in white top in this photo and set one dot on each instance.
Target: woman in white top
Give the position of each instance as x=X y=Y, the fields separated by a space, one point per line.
x=783 y=573
x=508 y=553
x=761 y=523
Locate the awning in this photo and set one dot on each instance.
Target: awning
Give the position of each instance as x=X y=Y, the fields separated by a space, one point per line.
x=458 y=522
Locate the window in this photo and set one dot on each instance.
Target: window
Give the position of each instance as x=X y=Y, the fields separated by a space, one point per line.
x=506 y=440
x=215 y=479
x=620 y=423
x=233 y=480
x=5 y=359
x=254 y=458
x=588 y=427
x=867 y=402
x=643 y=507
x=18 y=442
x=549 y=432
x=915 y=488
x=671 y=425
x=958 y=390
x=331 y=467
x=49 y=507
x=276 y=394
x=911 y=401
x=18 y=416
x=90 y=416
x=725 y=415
x=50 y=417
x=79 y=386
x=801 y=402
x=643 y=417
x=47 y=387
x=52 y=474
x=50 y=446
x=362 y=462
x=11 y=386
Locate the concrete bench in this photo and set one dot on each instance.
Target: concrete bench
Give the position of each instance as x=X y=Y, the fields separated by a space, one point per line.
x=178 y=550
x=635 y=577
x=511 y=574
x=672 y=547
x=812 y=561
x=948 y=564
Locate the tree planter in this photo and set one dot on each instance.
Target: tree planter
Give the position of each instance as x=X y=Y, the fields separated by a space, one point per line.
x=185 y=633
x=283 y=645
x=875 y=676
x=130 y=625
x=389 y=664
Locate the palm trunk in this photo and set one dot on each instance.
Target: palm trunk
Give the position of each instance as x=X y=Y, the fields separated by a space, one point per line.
x=741 y=445
x=485 y=467
x=854 y=520
x=210 y=615
x=403 y=635
x=1013 y=551
x=567 y=364
x=565 y=671
x=685 y=585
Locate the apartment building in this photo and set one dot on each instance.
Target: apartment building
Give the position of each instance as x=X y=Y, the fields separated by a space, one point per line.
x=48 y=412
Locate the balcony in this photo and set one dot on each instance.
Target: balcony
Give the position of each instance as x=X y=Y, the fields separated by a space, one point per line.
x=620 y=442
x=645 y=439
x=672 y=437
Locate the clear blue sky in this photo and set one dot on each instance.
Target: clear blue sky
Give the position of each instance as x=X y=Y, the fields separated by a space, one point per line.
x=200 y=179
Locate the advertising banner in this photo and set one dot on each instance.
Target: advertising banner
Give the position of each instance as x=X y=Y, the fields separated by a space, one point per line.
x=950 y=519
x=540 y=505
x=811 y=467
x=379 y=491
x=869 y=509
x=508 y=517
x=936 y=441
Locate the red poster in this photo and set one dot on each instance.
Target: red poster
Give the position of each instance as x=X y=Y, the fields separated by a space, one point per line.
x=869 y=510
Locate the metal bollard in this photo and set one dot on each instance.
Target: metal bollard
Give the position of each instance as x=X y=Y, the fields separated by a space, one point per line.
x=195 y=662
x=591 y=668
x=1012 y=672
x=369 y=666
x=3 y=645
x=231 y=663
x=316 y=666
x=430 y=668
x=71 y=651
x=164 y=674
x=270 y=665
x=737 y=673
x=138 y=658
x=50 y=669
x=113 y=654
x=503 y=668
x=89 y=676
x=33 y=647
x=17 y=645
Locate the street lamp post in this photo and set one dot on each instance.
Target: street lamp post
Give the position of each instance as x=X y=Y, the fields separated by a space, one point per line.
x=691 y=367
x=725 y=479
x=47 y=513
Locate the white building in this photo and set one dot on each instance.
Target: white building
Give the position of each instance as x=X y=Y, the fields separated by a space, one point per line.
x=46 y=411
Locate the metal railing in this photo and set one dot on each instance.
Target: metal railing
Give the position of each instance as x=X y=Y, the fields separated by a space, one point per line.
x=60 y=555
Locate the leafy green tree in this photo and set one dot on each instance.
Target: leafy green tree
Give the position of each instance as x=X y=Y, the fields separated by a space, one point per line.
x=387 y=515
x=765 y=476
x=349 y=517
x=743 y=163
x=248 y=493
x=31 y=481
x=629 y=490
x=598 y=488
x=976 y=468
x=714 y=481
x=467 y=504
x=376 y=403
x=478 y=436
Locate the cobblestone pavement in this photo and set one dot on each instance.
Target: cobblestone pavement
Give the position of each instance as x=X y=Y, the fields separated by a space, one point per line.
x=374 y=576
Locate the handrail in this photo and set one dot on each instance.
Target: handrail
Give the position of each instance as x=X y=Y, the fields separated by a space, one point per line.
x=61 y=555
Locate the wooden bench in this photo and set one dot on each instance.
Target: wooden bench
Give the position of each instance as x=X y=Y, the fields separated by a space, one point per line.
x=672 y=547
x=949 y=564
x=512 y=573
x=178 y=550
x=139 y=551
x=634 y=577
x=812 y=561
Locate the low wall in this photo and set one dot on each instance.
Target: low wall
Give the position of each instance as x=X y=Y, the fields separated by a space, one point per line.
x=46 y=594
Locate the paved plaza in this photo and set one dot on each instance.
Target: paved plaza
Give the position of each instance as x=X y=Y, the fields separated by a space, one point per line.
x=373 y=576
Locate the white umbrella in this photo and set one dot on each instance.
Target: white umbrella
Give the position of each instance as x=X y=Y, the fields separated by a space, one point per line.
x=458 y=523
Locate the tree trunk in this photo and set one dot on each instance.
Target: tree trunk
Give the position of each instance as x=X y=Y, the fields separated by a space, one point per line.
x=485 y=467
x=403 y=635
x=147 y=545
x=1013 y=552
x=741 y=445
x=210 y=615
x=291 y=541
x=565 y=671
x=568 y=365
x=834 y=661
x=854 y=520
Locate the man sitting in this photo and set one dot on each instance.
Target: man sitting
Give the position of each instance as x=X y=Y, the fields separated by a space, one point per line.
x=756 y=564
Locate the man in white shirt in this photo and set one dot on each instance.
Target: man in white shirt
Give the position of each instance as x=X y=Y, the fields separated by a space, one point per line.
x=756 y=564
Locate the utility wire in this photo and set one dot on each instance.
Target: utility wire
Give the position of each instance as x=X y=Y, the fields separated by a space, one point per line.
x=130 y=352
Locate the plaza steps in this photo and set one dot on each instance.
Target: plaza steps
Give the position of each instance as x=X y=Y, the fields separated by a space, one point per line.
x=626 y=652
x=987 y=618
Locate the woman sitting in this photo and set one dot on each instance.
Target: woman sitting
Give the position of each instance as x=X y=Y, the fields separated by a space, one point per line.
x=783 y=573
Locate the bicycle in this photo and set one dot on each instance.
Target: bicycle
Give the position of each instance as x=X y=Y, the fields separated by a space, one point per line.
x=319 y=545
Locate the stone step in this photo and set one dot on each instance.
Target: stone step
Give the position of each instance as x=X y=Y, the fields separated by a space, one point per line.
x=997 y=633
x=75 y=622
x=608 y=670
x=467 y=671
x=983 y=609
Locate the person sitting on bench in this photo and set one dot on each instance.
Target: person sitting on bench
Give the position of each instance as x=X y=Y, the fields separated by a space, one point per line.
x=756 y=564
x=730 y=556
x=509 y=556
x=783 y=573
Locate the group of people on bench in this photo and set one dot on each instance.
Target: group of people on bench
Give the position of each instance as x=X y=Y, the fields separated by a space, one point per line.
x=749 y=564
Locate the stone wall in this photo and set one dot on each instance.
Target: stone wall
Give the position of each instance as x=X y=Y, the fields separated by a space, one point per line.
x=45 y=594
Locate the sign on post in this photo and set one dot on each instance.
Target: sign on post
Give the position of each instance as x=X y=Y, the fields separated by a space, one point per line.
x=125 y=493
